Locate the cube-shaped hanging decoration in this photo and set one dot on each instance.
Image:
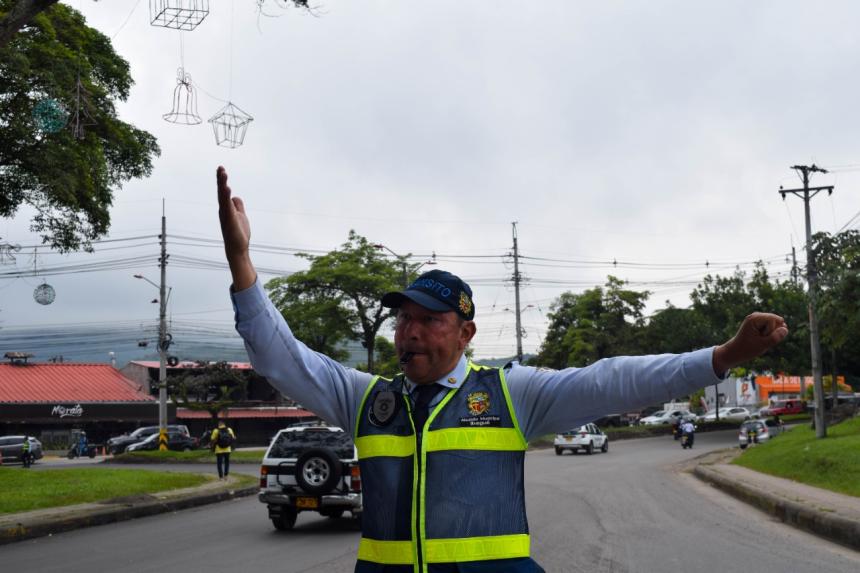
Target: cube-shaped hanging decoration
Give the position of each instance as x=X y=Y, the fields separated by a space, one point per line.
x=178 y=14
x=230 y=125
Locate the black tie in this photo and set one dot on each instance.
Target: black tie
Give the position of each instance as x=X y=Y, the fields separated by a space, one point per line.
x=423 y=394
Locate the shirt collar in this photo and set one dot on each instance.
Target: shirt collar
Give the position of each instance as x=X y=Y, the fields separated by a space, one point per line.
x=454 y=378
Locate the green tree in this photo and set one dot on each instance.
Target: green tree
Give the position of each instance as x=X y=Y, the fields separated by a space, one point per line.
x=838 y=260
x=320 y=319
x=595 y=324
x=386 y=359
x=68 y=178
x=209 y=387
x=356 y=276
x=676 y=330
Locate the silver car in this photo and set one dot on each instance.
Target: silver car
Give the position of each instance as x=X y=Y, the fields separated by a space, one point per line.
x=11 y=447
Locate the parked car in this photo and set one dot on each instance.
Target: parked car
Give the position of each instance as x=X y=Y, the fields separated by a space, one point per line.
x=586 y=438
x=730 y=414
x=118 y=444
x=176 y=441
x=758 y=431
x=310 y=468
x=668 y=417
x=12 y=446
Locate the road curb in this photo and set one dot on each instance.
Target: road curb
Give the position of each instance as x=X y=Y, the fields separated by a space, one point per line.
x=29 y=525
x=824 y=524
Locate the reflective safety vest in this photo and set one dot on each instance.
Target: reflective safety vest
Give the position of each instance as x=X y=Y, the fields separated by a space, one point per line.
x=452 y=494
x=25 y=447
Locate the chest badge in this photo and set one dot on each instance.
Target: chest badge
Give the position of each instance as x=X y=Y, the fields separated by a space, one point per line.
x=383 y=408
x=478 y=402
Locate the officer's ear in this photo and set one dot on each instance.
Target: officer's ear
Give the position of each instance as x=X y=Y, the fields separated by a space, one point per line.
x=467 y=331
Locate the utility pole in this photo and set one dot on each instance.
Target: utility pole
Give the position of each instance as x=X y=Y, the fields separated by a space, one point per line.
x=794 y=272
x=517 y=295
x=808 y=193
x=163 y=343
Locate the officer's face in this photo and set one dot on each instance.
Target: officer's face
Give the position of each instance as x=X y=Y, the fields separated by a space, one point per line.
x=437 y=340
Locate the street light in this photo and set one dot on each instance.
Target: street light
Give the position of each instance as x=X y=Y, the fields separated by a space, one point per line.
x=402 y=259
x=163 y=344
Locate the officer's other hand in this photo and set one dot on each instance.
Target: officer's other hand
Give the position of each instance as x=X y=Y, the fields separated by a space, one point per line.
x=758 y=333
x=235 y=227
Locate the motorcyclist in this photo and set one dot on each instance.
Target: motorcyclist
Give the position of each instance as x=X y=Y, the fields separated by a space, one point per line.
x=688 y=430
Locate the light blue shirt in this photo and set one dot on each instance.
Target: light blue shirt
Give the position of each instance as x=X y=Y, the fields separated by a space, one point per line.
x=545 y=401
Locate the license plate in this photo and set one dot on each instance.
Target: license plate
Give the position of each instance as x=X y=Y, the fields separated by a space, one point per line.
x=568 y=439
x=307 y=502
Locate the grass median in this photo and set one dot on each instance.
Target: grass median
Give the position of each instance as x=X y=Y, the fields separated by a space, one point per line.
x=26 y=490
x=832 y=463
x=192 y=457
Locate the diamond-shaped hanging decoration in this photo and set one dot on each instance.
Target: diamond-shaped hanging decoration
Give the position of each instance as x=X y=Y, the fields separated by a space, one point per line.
x=178 y=14
x=230 y=125
x=44 y=294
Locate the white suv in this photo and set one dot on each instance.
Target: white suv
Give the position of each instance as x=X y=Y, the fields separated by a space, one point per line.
x=586 y=438
x=311 y=468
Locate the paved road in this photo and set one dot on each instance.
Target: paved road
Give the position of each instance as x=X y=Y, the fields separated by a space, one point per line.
x=631 y=510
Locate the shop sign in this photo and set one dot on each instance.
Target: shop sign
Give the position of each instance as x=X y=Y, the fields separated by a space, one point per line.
x=75 y=411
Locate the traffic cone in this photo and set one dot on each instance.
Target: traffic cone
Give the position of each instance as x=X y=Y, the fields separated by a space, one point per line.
x=1 y=457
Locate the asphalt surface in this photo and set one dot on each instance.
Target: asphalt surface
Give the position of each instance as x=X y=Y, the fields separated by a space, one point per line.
x=631 y=510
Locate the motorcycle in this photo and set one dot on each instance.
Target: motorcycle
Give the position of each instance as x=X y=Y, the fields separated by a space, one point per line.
x=75 y=451
x=687 y=440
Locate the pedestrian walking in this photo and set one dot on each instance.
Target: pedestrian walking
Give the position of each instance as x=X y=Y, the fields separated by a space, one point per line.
x=221 y=442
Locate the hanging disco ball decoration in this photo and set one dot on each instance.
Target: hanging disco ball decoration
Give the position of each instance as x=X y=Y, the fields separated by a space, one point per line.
x=50 y=115
x=44 y=294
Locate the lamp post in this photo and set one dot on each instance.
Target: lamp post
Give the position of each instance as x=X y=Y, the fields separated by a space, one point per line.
x=163 y=344
x=402 y=259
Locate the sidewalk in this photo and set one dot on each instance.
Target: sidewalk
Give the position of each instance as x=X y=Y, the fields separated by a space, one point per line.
x=833 y=516
x=41 y=522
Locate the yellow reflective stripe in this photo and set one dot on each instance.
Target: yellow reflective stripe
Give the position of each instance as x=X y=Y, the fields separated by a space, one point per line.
x=476 y=548
x=492 y=439
x=388 y=446
x=361 y=406
x=386 y=552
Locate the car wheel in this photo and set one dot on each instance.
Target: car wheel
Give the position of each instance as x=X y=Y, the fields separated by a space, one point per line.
x=286 y=520
x=318 y=471
x=605 y=447
x=558 y=451
x=91 y=453
x=333 y=513
x=743 y=446
x=590 y=449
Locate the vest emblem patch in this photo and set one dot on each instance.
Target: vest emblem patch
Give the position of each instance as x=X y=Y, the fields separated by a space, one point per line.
x=383 y=408
x=478 y=402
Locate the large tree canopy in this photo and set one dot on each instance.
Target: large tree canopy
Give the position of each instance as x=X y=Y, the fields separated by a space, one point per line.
x=347 y=284
x=69 y=180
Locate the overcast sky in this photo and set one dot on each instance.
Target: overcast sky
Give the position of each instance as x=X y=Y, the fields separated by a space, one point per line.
x=653 y=134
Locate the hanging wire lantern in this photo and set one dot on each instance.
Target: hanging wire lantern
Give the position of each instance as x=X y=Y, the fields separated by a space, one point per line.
x=184 y=101
x=81 y=117
x=230 y=125
x=178 y=14
x=50 y=115
x=44 y=294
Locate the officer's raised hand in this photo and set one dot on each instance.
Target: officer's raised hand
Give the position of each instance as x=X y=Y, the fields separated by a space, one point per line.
x=758 y=333
x=236 y=231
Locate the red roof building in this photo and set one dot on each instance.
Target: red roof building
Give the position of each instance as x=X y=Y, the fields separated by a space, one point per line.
x=67 y=382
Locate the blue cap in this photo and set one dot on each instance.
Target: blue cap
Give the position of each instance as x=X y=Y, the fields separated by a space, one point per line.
x=436 y=290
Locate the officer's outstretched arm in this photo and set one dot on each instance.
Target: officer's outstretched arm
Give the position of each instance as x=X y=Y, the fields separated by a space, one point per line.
x=758 y=333
x=236 y=231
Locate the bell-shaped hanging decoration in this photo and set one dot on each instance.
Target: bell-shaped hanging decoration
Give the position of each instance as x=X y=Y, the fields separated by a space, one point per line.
x=184 y=109
x=230 y=125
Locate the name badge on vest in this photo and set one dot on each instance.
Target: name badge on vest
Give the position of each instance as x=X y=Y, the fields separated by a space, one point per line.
x=383 y=408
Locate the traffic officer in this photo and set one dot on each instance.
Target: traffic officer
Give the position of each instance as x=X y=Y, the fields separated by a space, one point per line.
x=25 y=452
x=442 y=445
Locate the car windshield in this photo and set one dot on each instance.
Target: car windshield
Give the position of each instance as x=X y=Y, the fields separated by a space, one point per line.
x=141 y=432
x=294 y=444
x=658 y=413
x=751 y=425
